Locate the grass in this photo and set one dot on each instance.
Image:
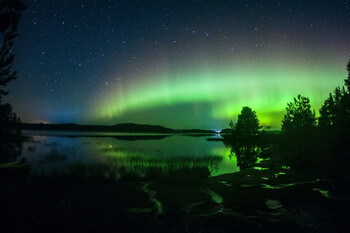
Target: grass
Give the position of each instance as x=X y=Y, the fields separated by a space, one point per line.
x=128 y=168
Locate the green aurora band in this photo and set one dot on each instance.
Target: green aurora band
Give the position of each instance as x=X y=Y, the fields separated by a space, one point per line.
x=266 y=87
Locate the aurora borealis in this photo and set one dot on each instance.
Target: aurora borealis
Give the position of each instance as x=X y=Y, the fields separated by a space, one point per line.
x=220 y=94
x=181 y=64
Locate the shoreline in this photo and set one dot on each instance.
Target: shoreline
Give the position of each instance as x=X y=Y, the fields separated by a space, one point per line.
x=306 y=200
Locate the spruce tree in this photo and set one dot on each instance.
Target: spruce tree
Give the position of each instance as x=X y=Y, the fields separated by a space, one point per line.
x=247 y=123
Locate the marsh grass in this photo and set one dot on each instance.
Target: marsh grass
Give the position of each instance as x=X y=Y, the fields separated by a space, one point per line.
x=187 y=169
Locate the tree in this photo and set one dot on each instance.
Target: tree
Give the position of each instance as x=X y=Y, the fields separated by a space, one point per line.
x=333 y=111
x=327 y=114
x=298 y=127
x=347 y=81
x=299 y=118
x=247 y=123
x=10 y=13
x=334 y=120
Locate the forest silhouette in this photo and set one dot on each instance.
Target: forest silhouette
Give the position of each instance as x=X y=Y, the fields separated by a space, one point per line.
x=303 y=136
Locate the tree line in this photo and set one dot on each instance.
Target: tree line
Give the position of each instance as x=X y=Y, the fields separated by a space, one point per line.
x=301 y=122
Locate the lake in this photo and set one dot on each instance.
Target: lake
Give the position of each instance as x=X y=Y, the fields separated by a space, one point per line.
x=160 y=184
x=121 y=156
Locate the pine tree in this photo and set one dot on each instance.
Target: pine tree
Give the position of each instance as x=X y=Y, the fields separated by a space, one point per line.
x=10 y=13
x=327 y=114
x=247 y=123
x=347 y=81
x=334 y=120
x=299 y=117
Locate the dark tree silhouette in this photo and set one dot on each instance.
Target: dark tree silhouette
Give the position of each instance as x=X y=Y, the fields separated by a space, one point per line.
x=333 y=111
x=247 y=123
x=9 y=18
x=347 y=81
x=10 y=12
x=298 y=127
x=334 y=120
x=299 y=117
x=327 y=114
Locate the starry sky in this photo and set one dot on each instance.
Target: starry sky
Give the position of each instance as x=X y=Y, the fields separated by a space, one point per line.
x=181 y=64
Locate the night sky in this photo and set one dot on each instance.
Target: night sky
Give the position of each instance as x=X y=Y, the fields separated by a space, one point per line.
x=181 y=64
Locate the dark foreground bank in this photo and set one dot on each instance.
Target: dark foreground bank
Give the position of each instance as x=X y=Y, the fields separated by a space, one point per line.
x=266 y=198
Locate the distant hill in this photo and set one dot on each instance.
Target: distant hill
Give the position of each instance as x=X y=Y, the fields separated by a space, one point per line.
x=122 y=128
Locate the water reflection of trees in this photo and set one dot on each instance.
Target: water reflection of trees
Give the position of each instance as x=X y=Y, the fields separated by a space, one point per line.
x=10 y=135
x=246 y=153
x=11 y=146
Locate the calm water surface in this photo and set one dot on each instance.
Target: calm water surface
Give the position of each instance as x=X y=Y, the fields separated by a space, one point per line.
x=117 y=155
